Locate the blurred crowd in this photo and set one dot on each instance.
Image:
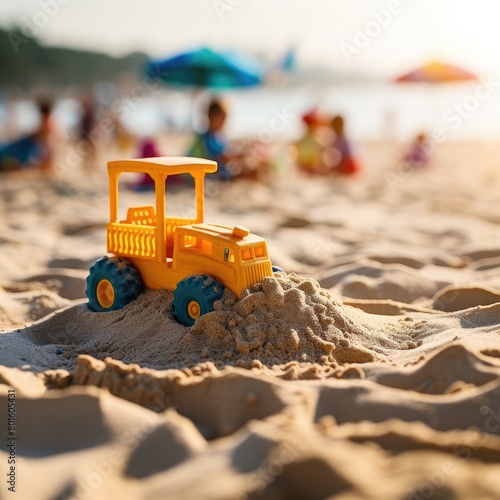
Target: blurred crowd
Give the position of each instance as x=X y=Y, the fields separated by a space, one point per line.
x=324 y=148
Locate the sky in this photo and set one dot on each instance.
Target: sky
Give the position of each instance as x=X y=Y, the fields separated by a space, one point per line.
x=380 y=37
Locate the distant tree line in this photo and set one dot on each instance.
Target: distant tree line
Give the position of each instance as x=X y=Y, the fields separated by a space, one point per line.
x=25 y=63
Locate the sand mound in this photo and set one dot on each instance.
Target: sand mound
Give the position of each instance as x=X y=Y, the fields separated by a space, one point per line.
x=454 y=298
x=31 y=304
x=68 y=283
x=281 y=319
x=371 y=280
x=451 y=369
x=285 y=318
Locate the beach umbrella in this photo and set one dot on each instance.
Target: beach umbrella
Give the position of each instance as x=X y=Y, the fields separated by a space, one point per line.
x=433 y=76
x=206 y=69
x=437 y=72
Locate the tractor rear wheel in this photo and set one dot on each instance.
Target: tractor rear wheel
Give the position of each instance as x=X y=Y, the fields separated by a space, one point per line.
x=112 y=284
x=194 y=297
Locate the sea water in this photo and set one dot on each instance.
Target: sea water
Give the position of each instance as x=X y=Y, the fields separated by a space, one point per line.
x=373 y=111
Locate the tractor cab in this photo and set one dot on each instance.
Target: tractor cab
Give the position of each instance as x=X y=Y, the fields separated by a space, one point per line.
x=146 y=231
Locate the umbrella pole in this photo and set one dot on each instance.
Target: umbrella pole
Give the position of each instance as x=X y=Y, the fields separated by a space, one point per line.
x=197 y=99
x=194 y=93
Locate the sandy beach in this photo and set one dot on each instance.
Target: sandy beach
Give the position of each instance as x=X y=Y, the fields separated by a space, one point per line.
x=371 y=369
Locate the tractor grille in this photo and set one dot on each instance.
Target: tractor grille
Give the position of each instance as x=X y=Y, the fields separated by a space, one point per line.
x=255 y=272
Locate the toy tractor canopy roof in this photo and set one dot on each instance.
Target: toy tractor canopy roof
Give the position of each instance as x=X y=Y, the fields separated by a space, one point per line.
x=167 y=165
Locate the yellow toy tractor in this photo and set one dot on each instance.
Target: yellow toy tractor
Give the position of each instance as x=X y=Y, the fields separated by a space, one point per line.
x=150 y=250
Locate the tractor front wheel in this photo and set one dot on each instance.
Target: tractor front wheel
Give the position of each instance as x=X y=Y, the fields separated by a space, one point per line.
x=112 y=284
x=194 y=297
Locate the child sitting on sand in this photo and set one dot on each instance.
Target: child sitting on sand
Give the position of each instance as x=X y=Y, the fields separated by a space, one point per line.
x=147 y=149
x=33 y=150
x=309 y=147
x=340 y=159
x=418 y=156
x=212 y=144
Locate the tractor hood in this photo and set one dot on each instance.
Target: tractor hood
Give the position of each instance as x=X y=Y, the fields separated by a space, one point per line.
x=236 y=234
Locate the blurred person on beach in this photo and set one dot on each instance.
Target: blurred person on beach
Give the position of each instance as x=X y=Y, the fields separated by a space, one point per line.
x=123 y=139
x=310 y=147
x=35 y=150
x=339 y=157
x=86 y=125
x=247 y=161
x=418 y=155
x=147 y=149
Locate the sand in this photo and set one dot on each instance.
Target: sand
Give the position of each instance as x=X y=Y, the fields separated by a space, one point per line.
x=371 y=369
